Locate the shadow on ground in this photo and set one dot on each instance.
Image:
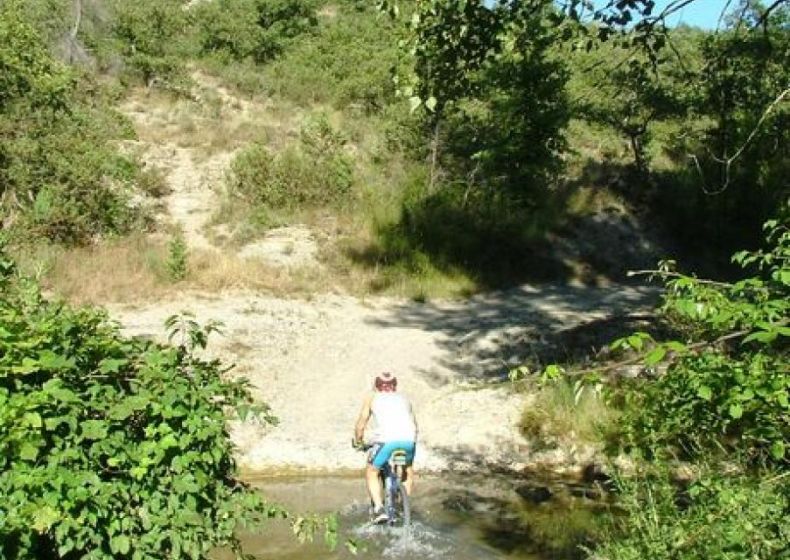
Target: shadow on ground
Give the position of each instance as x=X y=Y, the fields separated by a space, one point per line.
x=489 y=334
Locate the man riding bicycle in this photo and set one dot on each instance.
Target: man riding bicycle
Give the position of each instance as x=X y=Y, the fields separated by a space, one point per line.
x=395 y=428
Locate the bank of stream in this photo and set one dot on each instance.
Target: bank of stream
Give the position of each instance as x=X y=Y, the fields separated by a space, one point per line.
x=460 y=517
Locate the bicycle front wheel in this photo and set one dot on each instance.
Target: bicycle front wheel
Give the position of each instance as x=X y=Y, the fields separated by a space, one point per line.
x=405 y=505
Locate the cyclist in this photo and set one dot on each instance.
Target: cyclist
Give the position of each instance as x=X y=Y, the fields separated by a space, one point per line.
x=395 y=428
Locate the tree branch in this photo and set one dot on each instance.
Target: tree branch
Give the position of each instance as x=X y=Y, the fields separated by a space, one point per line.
x=669 y=274
x=728 y=161
x=636 y=359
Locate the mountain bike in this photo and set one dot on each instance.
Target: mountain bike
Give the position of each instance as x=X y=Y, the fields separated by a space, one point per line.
x=392 y=475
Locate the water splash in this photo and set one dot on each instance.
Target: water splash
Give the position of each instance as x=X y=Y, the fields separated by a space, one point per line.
x=418 y=540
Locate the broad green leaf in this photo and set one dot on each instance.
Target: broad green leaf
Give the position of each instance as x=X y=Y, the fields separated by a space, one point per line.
x=168 y=441
x=655 y=355
x=28 y=451
x=761 y=336
x=138 y=472
x=110 y=365
x=736 y=411
x=635 y=342
x=44 y=518
x=778 y=450
x=33 y=419
x=704 y=392
x=121 y=411
x=675 y=346
x=94 y=429
x=28 y=365
x=120 y=544
x=50 y=360
x=414 y=103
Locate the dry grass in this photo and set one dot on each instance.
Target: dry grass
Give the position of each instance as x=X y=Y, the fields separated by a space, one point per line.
x=134 y=269
x=217 y=121
x=559 y=412
x=127 y=269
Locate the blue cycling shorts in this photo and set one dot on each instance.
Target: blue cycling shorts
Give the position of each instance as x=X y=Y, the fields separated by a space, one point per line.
x=380 y=452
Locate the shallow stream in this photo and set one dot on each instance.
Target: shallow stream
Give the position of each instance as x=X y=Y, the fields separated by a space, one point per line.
x=457 y=517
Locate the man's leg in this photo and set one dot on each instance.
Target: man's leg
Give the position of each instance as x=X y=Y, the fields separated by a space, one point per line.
x=374 y=486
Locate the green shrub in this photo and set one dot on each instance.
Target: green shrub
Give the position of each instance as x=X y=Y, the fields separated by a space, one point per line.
x=177 y=258
x=112 y=447
x=348 y=61
x=62 y=177
x=257 y=29
x=716 y=517
x=730 y=388
x=153 y=37
x=316 y=173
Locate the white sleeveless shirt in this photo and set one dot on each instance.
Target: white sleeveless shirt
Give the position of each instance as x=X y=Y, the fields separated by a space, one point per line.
x=393 y=418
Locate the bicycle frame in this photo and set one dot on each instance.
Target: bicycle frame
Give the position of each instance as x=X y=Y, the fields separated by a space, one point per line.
x=392 y=475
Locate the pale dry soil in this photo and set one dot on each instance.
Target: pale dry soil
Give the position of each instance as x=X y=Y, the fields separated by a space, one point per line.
x=313 y=359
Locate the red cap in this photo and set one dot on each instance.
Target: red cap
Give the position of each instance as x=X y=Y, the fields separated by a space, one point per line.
x=385 y=382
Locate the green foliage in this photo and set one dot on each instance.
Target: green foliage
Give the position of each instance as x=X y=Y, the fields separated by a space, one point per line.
x=346 y=62
x=715 y=517
x=151 y=33
x=259 y=29
x=61 y=176
x=733 y=147
x=729 y=387
x=177 y=257
x=486 y=75
x=113 y=447
x=315 y=173
x=27 y=71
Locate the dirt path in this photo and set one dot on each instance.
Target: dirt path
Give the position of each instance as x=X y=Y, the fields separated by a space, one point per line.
x=312 y=361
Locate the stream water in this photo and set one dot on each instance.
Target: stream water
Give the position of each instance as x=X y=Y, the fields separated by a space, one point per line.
x=458 y=517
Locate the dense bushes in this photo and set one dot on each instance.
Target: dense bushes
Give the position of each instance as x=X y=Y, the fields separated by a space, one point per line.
x=316 y=172
x=152 y=36
x=60 y=176
x=716 y=516
x=258 y=29
x=723 y=400
x=729 y=389
x=347 y=61
x=111 y=447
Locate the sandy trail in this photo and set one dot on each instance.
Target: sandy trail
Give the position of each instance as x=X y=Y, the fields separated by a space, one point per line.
x=313 y=362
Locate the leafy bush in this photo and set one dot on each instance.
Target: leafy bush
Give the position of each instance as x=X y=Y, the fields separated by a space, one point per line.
x=258 y=29
x=716 y=517
x=112 y=447
x=315 y=173
x=177 y=258
x=348 y=61
x=730 y=387
x=62 y=178
x=152 y=34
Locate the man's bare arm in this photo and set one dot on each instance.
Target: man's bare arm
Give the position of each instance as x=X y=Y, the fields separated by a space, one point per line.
x=362 y=421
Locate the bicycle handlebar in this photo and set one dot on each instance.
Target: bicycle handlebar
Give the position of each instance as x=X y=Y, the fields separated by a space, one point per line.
x=360 y=445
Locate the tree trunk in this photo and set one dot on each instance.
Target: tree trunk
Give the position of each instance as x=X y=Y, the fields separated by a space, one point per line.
x=434 y=155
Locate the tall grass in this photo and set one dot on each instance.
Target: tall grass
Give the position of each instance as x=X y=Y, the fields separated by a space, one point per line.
x=566 y=410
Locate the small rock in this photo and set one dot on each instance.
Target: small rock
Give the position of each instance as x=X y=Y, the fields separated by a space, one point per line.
x=534 y=493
